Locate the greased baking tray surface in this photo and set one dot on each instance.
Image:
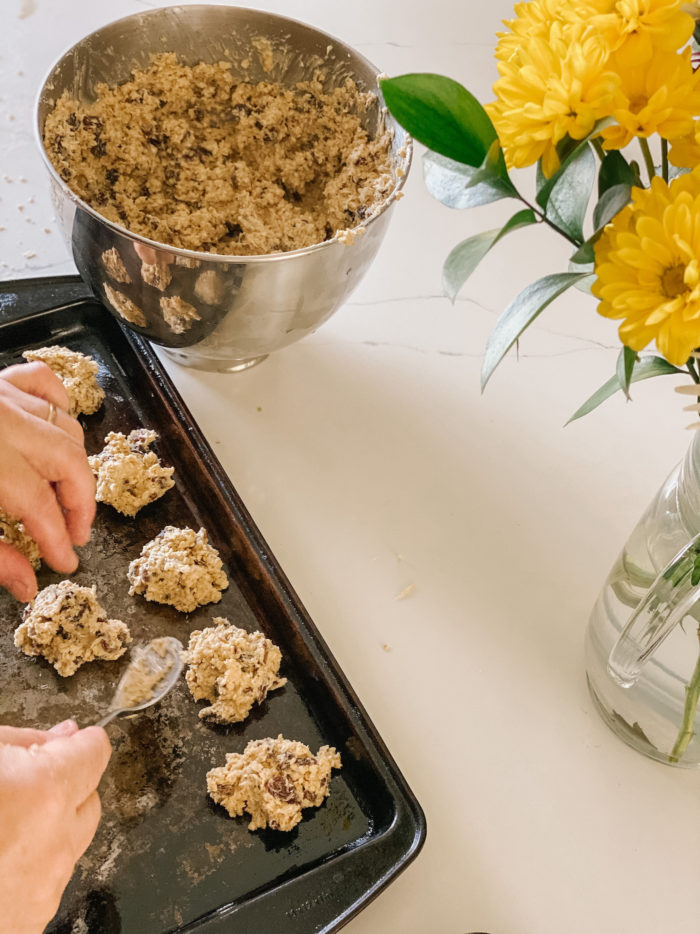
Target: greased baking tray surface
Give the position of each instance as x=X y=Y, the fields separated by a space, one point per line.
x=165 y=857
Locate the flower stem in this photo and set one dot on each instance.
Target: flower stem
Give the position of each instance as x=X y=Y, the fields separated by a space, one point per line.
x=648 y=161
x=543 y=217
x=637 y=174
x=692 y=696
x=598 y=146
x=664 y=159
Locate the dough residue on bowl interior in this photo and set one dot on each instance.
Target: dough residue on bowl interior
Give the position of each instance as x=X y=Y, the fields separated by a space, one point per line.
x=192 y=157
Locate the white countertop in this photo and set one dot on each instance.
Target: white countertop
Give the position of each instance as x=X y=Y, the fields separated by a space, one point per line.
x=448 y=545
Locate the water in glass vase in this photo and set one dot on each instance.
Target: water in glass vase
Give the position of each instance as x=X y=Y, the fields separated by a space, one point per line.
x=642 y=643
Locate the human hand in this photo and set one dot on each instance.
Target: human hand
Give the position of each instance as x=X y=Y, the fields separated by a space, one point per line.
x=49 y=811
x=45 y=478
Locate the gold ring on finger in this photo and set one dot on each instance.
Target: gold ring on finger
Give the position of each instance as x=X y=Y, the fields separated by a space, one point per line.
x=51 y=417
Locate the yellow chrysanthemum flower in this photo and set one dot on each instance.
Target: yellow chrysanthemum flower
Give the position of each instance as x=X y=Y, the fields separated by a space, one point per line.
x=556 y=84
x=647 y=263
x=685 y=151
x=692 y=9
x=662 y=98
x=533 y=18
x=637 y=29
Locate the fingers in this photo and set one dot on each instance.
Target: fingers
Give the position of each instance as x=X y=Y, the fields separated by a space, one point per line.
x=45 y=480
x=79 y=761
x=35 y=392
x=64 y=728
x=29 y=497
x=40 y=408
x=77 y=498
x=16 y=574
x=59 y=516
x=19 y=736
x=38 y=379
x=22 y=736
x=57 y=459
x=88 y=817
x=151 y=257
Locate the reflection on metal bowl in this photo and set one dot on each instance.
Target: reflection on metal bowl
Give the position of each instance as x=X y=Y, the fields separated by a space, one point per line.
x=208 y=310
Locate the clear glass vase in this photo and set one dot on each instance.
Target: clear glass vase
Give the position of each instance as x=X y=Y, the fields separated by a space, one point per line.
x=643 y=639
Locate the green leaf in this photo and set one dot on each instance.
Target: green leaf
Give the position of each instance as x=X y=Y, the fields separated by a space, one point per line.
x=611 y=202
x=646 y=368
x=467 y=255
x=586 y=283
x=545 y=185
x=568 y=199
x=463 y=186
x=520 y=314
x=582 y=262
x=441 y=114
x=614 y=170
x=695 y=574
x=492 y=169
x=625 y=365
x=585 y=255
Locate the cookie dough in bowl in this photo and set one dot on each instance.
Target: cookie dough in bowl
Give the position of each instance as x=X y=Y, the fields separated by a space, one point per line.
x=196 y=158
x=213 y=139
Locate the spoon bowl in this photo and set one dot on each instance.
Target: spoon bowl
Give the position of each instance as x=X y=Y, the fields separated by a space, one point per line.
x=152 y=672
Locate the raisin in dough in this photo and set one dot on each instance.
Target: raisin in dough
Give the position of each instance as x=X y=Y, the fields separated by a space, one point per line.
x=128 y=474
x=232 y=669
x=273 y=780
x=178 y=567
x=67 y=626
x=78 y=373
x=12 y=532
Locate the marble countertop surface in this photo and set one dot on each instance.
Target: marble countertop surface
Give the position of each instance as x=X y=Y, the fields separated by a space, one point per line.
x=448 y=545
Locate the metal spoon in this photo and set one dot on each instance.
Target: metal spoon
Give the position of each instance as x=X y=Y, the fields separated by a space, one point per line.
x=152 y=672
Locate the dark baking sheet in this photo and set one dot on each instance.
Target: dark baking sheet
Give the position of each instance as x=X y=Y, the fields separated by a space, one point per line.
x=166 y=858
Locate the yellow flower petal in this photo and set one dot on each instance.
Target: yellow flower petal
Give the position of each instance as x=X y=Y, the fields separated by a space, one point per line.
x=648 y=268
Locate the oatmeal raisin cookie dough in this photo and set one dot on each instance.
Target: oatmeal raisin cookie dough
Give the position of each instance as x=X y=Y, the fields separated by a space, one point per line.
x=77 y=371
x=128 y=474
x=273 y=780
x=178 y=314
x=114 y=266
x=178 y=567
x=67 y=626
x=158 y=275
x=127 y=309
x=195 y=158
x=232 y=669
x=13 y=532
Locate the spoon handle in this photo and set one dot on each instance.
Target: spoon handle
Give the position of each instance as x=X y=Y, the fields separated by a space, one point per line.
x=108 y=717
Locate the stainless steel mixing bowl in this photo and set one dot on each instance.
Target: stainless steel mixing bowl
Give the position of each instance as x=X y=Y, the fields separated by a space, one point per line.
x=246 y=306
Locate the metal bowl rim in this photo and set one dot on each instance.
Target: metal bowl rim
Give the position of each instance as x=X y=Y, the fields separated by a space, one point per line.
x=198 y=254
